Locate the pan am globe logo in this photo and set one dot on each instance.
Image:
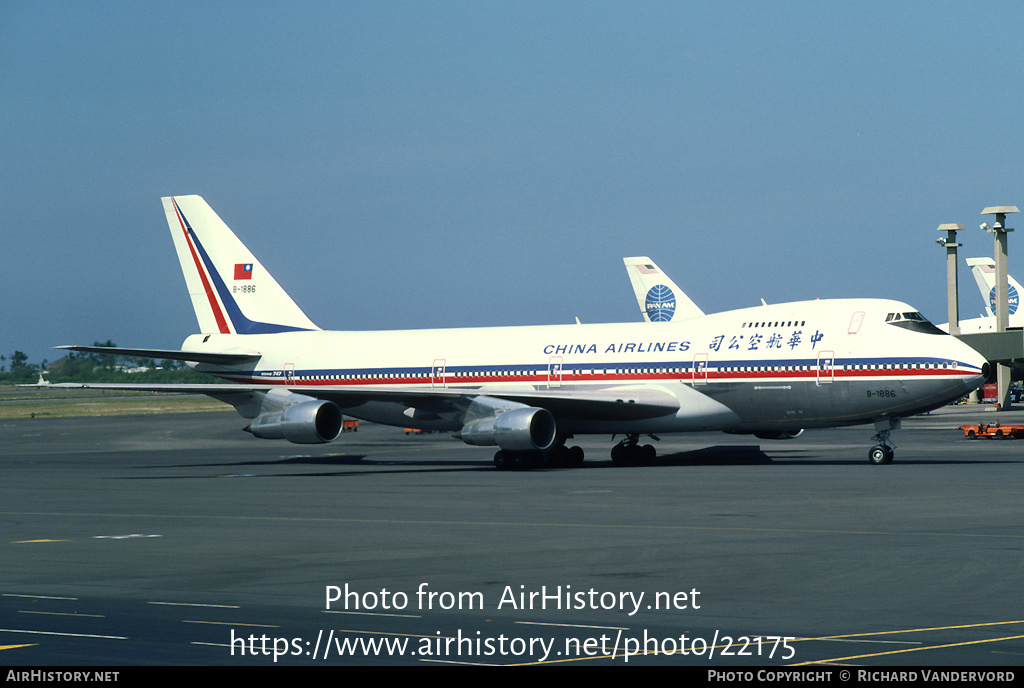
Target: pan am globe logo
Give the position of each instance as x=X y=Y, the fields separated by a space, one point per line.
x=660 y=303
x=1012 y=300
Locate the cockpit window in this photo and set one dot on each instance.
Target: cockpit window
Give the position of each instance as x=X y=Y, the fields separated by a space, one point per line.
x=913 y=321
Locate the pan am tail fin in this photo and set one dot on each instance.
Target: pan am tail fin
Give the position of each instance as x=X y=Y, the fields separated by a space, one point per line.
x=659 y=298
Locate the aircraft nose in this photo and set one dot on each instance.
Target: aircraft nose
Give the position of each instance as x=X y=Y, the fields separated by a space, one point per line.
x=976 y=360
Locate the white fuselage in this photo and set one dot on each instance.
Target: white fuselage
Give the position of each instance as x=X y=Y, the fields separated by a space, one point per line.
x=792 y=365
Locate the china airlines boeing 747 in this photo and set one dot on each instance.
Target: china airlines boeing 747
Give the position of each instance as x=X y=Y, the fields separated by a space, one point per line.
x=770 y=370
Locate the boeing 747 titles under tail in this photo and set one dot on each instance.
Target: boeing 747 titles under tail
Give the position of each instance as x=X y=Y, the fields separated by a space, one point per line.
x=770 y=370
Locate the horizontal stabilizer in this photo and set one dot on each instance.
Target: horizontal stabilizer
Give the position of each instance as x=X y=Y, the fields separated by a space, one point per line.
x=212 y=389
x=168 y=354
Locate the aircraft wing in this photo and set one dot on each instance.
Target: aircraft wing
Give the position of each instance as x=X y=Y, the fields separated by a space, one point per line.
x=600 y=404
x=169 y=354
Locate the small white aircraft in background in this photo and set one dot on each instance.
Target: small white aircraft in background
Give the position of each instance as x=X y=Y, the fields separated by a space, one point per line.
x=767 y=370
x=984 y=271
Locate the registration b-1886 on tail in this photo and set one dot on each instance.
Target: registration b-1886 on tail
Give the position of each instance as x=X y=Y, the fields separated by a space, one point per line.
x=771 y=370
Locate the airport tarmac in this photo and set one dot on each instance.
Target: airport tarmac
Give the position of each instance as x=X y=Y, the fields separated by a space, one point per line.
x=179 y=539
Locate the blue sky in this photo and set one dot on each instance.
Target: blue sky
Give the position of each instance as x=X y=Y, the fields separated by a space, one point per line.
x=437 y=164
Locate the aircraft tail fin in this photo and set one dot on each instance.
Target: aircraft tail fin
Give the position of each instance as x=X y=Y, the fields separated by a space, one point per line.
x=659 y=298
x=984 y=270
x=231 y=291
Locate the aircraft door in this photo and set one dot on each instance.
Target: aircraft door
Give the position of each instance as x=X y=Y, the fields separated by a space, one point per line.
x=554 y=372
x=855 y=322
x=700 y=369
x=437 y=373
x=289 y=373
x=826 y=367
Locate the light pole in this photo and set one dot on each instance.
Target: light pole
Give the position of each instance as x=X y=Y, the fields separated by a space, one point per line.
x=1000 y=230
x=952 y=300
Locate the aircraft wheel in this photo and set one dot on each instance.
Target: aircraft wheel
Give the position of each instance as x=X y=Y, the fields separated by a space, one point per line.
x=648 y=453
x=524 y=460
x=626 y=454
x=575 y=457
x=559 y=457
x=501 y=461
x=880 y=455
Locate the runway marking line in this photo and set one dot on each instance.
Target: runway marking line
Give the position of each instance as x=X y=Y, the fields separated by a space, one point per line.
x=854 y=640
x=230 y=623
x=506 y=524
x=616 y=655
x=30 y=542
x=69 y=635
x=917 y=630
x=914 y=649
x=197 y=604
x=560 y=625
x=911 y=649
x=92 y=616
x=400 y=616
x=404 y=635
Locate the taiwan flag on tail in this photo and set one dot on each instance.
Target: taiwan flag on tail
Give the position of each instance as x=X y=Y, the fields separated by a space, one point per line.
x=243 y=271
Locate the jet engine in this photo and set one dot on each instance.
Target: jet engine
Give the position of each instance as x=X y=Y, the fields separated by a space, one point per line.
x=307 y=422
x=521 y=429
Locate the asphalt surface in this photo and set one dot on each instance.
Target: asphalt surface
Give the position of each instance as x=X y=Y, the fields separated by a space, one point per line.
x=178 y=539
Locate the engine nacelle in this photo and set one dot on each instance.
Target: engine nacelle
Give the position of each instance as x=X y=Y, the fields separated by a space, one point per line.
x=308 y=422
x=780 y=435
x=521 y=429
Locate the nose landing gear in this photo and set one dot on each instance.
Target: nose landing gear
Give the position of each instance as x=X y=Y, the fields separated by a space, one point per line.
x=885 y=450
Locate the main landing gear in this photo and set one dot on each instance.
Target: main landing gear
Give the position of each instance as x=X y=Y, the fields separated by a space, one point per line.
x=629 y=451
x=883 y=452
x=558 y=456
